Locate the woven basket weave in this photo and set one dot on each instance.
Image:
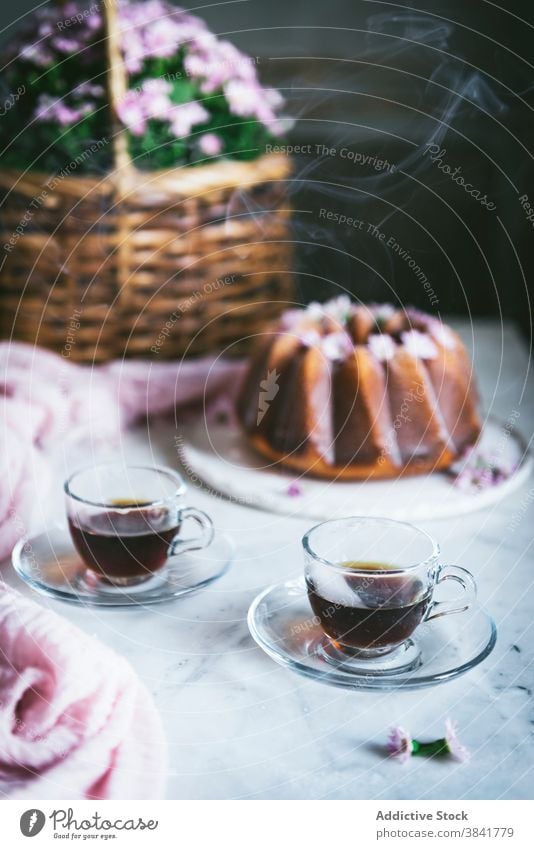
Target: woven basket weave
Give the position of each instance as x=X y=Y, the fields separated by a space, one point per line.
x=178 y=262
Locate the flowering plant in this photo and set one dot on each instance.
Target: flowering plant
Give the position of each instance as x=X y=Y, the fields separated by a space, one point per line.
x=191 y=96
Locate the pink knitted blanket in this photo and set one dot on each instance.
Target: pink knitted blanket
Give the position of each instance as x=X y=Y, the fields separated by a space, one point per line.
x=75 y=721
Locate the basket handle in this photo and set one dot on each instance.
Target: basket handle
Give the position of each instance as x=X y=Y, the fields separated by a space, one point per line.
x=117 y=80
x=117 y=88
x=117 y=84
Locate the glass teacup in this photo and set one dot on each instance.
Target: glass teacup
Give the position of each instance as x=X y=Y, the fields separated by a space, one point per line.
x=126 y=521
x=371 y=584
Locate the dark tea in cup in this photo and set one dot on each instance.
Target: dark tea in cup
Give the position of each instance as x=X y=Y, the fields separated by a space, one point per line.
x=126 y=521
x=128 y=543
x=371 y=583
x=369 y=609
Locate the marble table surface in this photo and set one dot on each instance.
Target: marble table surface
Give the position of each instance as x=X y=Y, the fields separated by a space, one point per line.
x=240 y=726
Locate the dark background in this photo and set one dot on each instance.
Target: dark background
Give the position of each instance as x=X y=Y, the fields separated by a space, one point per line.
x=385 y=79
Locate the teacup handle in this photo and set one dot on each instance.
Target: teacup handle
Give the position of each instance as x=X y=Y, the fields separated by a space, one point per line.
x=466 y=581
x=179 y=545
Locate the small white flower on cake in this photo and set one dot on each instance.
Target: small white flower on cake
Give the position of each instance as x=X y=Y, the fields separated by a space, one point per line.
x=291 y=318
x=310 y=338
x=381 y=346
x=443 y=335
x=336 y=346
x=315 y=311
x=419 y=345
x=338 y=309
x=382 y=312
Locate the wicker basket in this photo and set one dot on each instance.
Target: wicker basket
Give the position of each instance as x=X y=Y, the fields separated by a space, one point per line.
x=178 y=262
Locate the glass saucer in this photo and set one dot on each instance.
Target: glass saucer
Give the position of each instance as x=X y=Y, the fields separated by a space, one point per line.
x=281 y=621
x=49 y=563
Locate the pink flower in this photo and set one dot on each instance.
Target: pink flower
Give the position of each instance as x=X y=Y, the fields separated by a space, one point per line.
x=89 y=88
x=66 y=45
x=242 y=97
x=94 y=21
x=185 y=116
x=273 y=98
x=44 y=106
x=134 y=52
x=211 y=144
x=207 y=69
x=130 y=111
x=280 y=126
x=195 y=65
x=294 y=489
x=64 y=115
x=38 y=54
x=157 y=87
x=400 y=744
x=228 y=53
x=70 y=9
x=477 y=470
x=155 y=99
x=204 y=40
x=50 y=109
x=217 y=62
x=162 y=38
x=264 y=113
x=246 y=69
x=456 y=749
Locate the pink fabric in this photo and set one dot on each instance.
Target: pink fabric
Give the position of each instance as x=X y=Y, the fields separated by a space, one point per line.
x=44 y=398
x=148 y=388
x=56 y=394
x=75 y=721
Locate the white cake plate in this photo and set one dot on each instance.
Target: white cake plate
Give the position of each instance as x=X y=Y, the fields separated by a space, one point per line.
x=219 y=456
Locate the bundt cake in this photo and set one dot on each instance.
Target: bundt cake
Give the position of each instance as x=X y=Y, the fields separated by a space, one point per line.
x=339 y=390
